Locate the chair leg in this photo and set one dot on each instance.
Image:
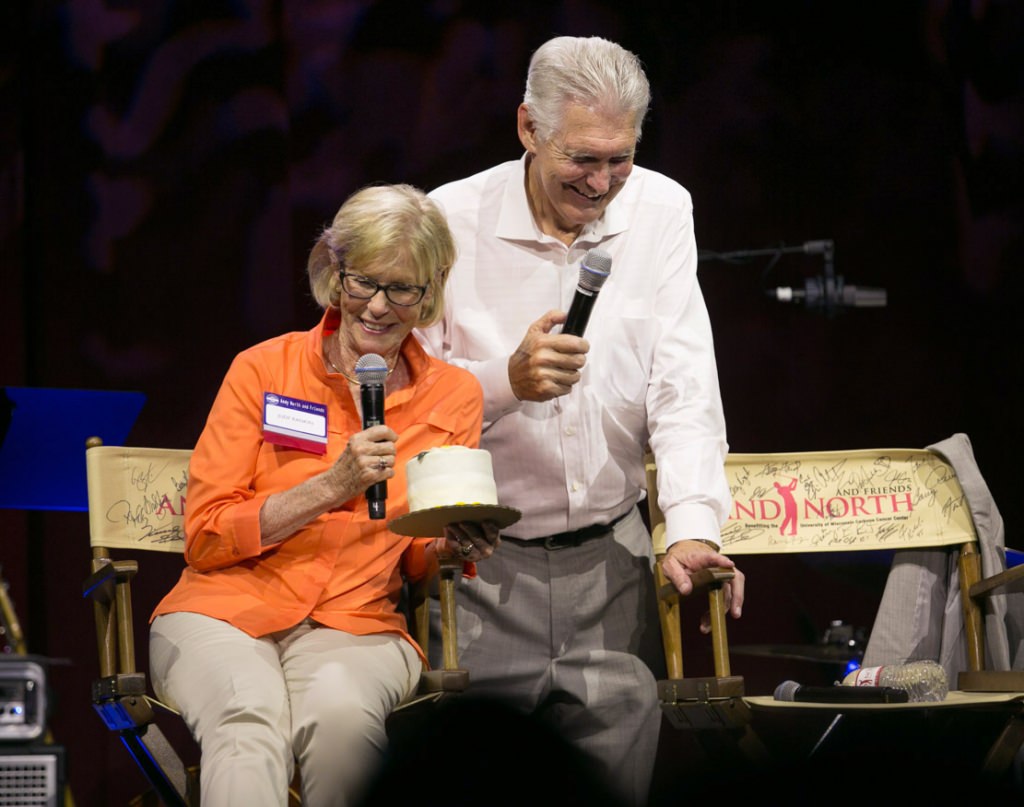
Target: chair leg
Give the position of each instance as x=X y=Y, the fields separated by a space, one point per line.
x=450 y=678
x=677 y=694
x=1003 y=751
x=671 y=626
x=719 y=637
x=160 y=765
x=970 y=572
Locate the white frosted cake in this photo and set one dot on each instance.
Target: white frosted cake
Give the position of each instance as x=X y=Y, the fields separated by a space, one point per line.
x=450 y=475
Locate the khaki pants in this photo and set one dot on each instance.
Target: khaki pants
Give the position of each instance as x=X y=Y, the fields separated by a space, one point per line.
x=312 y=694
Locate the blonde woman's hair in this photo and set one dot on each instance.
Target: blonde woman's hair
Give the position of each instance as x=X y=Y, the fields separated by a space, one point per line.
x=396 y=223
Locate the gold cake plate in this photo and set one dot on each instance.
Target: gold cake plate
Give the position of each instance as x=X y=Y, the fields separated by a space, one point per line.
x=430 y=523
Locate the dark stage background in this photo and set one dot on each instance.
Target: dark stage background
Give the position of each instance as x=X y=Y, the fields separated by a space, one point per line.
x=165 y=167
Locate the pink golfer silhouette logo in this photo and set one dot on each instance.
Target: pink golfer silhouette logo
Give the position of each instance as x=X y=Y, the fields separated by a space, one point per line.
x=789 y=507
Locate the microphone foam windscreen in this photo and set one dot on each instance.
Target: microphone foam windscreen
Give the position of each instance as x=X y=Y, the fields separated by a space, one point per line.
x=786 y=691
x=594 y=269
x=371 y=369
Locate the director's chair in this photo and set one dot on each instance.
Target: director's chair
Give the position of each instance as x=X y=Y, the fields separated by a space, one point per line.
x=136 y=499
x=906 y=500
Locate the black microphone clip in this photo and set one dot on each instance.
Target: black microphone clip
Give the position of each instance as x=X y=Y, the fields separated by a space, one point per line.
x=831 y=294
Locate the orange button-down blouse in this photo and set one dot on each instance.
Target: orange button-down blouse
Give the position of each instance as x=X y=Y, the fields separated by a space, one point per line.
x=343 y=569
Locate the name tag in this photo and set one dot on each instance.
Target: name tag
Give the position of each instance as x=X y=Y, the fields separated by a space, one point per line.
x=295 y=423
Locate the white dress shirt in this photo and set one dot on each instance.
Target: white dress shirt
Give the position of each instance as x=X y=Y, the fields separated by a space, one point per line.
x=650 y=376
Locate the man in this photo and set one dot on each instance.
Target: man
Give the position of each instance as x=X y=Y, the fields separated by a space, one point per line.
x=556 y=619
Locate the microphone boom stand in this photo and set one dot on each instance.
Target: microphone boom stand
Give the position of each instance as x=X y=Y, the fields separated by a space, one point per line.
x=826 y=292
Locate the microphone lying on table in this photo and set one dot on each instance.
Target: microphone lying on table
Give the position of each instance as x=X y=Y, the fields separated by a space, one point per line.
x=792 y=691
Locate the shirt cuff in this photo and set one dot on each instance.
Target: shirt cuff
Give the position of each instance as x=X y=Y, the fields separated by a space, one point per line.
x=414 y=560
x=246 y=528
x=684 y=521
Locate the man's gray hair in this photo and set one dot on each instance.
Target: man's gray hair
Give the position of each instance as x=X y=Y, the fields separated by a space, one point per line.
x=586 y=70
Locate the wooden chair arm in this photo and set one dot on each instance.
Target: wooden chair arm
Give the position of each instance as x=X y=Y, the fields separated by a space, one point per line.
x=1009 y=582
x=702 y=580
x=100 y=584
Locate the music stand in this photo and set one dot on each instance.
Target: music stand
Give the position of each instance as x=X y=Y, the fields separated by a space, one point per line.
x=42 y=442
x=42 y=467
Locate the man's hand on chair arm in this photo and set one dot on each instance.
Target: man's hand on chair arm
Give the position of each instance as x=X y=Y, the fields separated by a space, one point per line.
x=686 y=557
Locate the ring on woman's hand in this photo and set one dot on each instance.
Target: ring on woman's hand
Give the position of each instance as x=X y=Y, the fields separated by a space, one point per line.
x=382 y=463
x=466 y=548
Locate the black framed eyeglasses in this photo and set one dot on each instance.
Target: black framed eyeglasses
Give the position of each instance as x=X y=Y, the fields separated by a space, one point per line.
x=364 y=288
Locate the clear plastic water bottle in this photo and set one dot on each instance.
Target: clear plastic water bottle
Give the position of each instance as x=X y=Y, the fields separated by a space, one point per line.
x=923 y=681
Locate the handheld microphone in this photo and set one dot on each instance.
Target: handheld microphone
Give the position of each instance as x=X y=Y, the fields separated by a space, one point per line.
x=372 y=371
x=594 y=270
x=792 y=691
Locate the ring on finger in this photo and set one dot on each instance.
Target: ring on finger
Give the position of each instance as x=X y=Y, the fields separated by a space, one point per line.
x=382 y=464
x=466 y=548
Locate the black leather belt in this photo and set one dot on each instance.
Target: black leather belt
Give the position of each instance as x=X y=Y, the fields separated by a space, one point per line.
x=562 y=540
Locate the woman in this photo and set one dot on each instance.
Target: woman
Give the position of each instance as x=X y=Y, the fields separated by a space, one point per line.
x=282 y=640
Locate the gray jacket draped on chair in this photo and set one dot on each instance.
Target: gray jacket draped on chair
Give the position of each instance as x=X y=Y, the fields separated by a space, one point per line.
x=920 y=615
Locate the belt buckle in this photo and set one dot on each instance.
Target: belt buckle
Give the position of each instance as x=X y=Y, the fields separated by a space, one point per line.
x=552 y=545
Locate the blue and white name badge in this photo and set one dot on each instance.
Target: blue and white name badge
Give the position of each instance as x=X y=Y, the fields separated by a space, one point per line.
x=295 y=423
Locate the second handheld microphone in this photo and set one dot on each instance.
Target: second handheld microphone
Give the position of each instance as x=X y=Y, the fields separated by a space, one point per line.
x=372 y=372
x=794 y=692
